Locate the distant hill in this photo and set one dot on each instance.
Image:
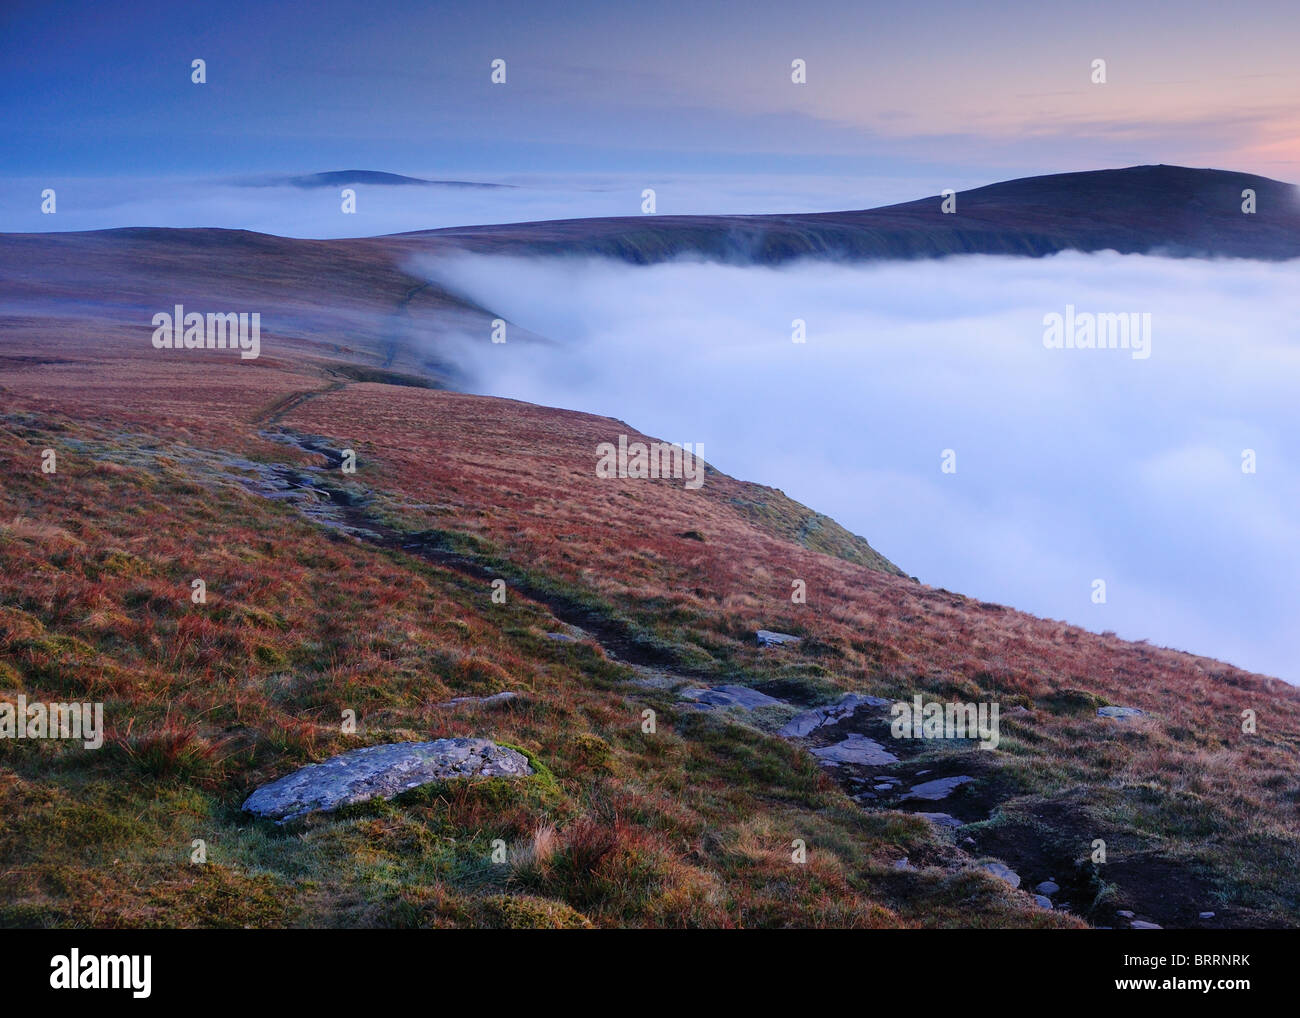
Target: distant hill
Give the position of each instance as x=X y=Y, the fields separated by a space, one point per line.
x=344 y=178
x=1170 y=210
x=359 y=300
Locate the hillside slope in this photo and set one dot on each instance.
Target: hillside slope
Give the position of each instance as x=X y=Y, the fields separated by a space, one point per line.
x=371 y=592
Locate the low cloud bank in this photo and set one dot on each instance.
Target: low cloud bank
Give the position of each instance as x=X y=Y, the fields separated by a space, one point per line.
x=1072 y=465
x=316 y=212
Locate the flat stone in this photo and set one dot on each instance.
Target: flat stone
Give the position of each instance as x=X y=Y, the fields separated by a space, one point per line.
x=1002 y=872
x=731 y=696
x=1142 y=924
x=508 y=694
x=1048 y=887
x=809 y=721
x=1124 y=914
x=1206 y=915
x=939 y=788
x=1119 y=712
x=562 y=637
x=856 y=749
x=941 y=819
x=903 y=864
x=381 y=772
x=1043 y=901
x=767 y=638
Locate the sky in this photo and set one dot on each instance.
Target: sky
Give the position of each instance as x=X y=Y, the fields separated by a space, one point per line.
x=924 y=95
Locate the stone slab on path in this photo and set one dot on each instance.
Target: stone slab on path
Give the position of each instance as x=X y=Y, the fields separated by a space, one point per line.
x=845 y=707
x=856 y=749
x=382 y=772
x=731 y=696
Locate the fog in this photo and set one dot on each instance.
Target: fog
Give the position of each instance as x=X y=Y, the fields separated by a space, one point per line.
x=1071 y=464
x=260 y=205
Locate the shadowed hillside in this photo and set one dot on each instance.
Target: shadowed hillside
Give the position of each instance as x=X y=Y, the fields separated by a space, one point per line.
x=1140 y=210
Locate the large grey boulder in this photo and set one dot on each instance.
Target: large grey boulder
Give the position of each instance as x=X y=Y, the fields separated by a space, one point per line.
x=1119 y=712
x=382 y=772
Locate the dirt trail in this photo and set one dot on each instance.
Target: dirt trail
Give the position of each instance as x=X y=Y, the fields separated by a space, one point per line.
x=346 y=510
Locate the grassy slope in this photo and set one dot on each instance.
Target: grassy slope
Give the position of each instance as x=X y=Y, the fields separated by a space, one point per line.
x=689 y=827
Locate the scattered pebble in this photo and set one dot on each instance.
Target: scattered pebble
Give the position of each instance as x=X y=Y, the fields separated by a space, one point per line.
x=1119 y=712
x=1002 y=871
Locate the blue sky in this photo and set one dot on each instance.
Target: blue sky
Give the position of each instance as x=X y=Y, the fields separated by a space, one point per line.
x=922 y=91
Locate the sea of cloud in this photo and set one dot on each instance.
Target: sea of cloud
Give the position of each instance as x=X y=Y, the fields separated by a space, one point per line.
x=1072 y=465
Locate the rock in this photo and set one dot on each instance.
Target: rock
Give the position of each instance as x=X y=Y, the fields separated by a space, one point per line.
x=1206 y=915
x=1141 y=924
x=766 y=638
x=381 y=772
x=941 y=819
x=1124 y=914
x=562 y=637
x=1048 y=887
x=508 y=694
x=1043 y=901
x=731 y=696
x=856 y=749
x=903 y=864
x=809 y=721
x=1119 y=712
x=1002 y=871
x=939 y=788
x=883 y=788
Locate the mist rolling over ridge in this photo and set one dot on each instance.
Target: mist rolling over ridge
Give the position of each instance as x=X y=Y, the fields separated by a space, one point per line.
x=1071 y=464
